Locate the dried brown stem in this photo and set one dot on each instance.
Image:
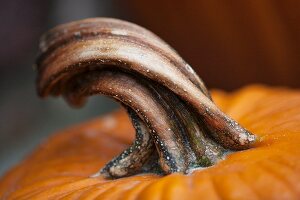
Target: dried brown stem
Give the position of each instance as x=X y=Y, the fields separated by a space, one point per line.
x=170 y=107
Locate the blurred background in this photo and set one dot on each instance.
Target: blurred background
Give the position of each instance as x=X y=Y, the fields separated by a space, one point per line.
x=229 y=43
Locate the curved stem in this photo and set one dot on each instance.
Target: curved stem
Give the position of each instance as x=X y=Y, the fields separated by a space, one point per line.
x=170 y=107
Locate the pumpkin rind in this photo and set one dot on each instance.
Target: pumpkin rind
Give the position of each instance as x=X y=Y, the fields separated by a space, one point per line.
x=60 y=168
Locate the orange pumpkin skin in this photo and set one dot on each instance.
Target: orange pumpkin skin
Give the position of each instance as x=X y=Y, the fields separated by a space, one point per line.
x=60 y=168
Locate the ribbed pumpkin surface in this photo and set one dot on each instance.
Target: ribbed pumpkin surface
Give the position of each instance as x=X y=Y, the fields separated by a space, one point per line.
x=60 y=168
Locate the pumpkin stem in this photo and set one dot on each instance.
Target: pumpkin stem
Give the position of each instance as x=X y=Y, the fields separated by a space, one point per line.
x=178 y=127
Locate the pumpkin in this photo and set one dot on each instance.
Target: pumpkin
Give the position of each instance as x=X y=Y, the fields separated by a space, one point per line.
x=188 y=144
x=60 y=167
